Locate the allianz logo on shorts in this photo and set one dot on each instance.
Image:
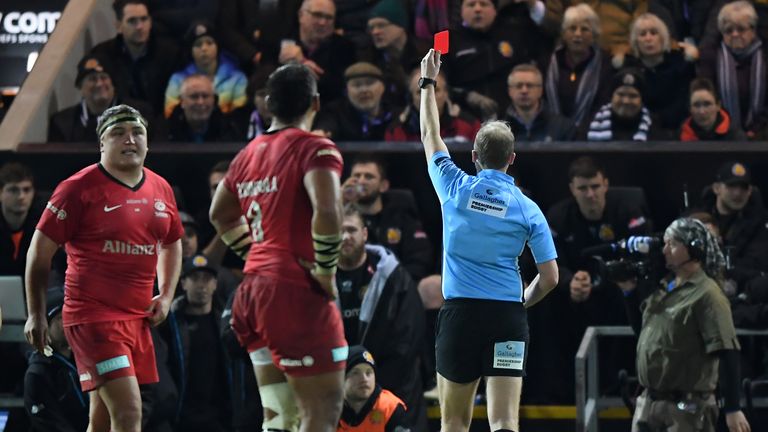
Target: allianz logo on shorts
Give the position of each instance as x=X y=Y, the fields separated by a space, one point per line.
x=306 y=361
x=112 y=364
x=508 y=355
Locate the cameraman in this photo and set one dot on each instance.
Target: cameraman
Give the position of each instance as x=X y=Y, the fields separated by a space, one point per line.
x=687 y=341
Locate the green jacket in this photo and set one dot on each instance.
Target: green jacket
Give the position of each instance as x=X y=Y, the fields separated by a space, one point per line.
x=682 y=329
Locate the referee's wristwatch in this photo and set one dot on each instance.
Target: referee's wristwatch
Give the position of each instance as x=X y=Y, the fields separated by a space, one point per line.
x=424 y=82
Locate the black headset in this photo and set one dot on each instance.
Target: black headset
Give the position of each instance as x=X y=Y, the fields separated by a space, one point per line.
x=696 y=250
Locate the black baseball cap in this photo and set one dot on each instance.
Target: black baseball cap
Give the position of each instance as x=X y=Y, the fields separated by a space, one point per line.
x=187 y=219
x=88 y=65
x=734 y=173
x=198 y=262
x=199 y=29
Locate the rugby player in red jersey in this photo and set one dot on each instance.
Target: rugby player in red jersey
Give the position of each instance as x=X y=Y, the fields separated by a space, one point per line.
x=286 y=184
x=120 y=227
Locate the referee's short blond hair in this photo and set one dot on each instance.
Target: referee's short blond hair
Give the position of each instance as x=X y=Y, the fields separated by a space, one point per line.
x=494 y=144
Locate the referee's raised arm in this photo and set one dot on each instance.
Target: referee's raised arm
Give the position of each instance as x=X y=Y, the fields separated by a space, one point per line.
x=429 y=118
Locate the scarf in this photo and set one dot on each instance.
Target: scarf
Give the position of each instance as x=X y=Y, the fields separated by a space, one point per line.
x=431 y=17
x=729 y=86
x=373 y=122
x=600 y=128
x=585 y=94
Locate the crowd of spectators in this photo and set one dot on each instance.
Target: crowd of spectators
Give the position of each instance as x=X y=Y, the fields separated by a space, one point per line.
x=384 y=299
x=557 y=70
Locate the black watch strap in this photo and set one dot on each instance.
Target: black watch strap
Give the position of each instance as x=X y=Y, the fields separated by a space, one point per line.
x=424 y=82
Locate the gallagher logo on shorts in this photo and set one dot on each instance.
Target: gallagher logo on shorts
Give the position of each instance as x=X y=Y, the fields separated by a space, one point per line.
x=508 y=355
x=340 y=354
x=113 y=364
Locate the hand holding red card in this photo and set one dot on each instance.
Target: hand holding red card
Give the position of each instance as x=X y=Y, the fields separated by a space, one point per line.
x=441 y=42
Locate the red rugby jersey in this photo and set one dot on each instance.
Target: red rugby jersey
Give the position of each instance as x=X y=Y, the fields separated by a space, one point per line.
x=267 y=176
x=111 y=233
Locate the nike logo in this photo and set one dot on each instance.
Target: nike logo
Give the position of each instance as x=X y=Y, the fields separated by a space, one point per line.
x=108 y=209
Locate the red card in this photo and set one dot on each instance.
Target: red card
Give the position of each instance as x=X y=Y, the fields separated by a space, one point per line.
x=441 y=42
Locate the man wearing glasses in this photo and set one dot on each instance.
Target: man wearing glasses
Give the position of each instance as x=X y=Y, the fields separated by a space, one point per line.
x=317 y=46
x=526 y=114
x=737 y=66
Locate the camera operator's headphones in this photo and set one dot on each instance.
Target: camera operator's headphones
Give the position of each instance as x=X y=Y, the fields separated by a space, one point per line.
x=696 y=250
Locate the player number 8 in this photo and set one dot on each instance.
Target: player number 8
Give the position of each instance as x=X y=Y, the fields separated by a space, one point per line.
x=254 y=215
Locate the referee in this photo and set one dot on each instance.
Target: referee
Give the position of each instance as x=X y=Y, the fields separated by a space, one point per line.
x=482 y=330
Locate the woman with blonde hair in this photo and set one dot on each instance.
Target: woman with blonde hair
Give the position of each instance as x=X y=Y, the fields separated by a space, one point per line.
x=667 y=70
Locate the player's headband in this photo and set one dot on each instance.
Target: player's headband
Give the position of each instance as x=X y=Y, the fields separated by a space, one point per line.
x=121 y=118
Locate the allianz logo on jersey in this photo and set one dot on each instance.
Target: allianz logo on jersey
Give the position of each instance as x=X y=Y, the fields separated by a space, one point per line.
x=126 y=248
x=257 y=187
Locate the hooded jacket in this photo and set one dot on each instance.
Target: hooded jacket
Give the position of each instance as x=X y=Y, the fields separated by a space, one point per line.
x=724 y=130
x=392 y=329
x=53 y=399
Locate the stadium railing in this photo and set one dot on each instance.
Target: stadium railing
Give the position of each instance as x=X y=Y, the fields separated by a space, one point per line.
x=589 y=401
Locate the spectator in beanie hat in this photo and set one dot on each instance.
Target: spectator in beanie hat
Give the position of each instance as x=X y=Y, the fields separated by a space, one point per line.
x=229 y=82
x=625 y=118
x=392 y=49
x=368 y=407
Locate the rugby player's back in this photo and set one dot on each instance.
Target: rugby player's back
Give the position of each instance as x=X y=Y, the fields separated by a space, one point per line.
x=268 y=179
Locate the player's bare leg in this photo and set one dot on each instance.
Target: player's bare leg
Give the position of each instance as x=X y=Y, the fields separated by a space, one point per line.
x=320 y=399
x=98 y=416
x=456 y=402
x=122 y=400
x=503 y=394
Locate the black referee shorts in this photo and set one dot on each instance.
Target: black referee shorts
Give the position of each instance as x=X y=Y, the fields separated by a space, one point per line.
x=477 y=338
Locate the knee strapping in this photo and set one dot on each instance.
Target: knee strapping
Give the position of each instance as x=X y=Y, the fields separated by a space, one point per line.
x=278 y=398
x=261 y=357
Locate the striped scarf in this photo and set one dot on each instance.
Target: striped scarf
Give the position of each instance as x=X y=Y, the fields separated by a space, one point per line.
x=600 y=128
x=729 y=86
x=585 y=94
x=431 y=17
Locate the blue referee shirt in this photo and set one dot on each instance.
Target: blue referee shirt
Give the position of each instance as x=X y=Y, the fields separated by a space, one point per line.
x=486 y=223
